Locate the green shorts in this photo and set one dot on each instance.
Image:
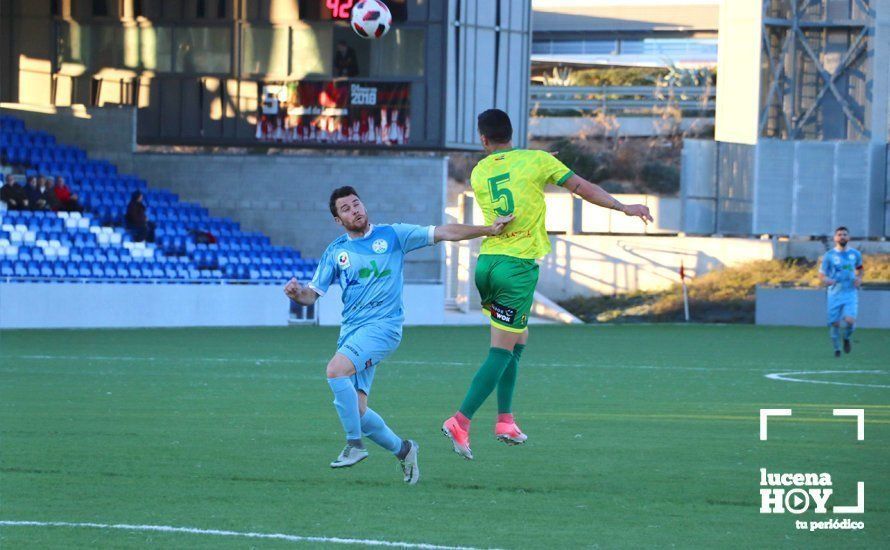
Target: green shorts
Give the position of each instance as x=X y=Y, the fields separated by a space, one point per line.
x=507 y=286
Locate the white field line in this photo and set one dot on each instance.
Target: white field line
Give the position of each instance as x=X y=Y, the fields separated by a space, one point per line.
x=789 y=377
x=222 y=533
x=322 y=362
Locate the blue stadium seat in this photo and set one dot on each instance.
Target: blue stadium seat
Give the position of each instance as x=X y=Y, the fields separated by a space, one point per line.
x=105 y=194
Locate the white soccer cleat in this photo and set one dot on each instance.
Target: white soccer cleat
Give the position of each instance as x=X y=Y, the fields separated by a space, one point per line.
x=409 y=464
x=349 y=456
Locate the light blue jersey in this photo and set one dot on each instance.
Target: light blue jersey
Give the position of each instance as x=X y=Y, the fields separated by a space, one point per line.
x=369 y=270
x=842 y=267
x=843 y=300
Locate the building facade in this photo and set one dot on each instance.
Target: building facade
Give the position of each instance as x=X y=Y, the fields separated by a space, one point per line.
x=273 y=72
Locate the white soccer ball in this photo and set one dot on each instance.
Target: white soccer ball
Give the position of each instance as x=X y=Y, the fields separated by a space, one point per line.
x=371 y=19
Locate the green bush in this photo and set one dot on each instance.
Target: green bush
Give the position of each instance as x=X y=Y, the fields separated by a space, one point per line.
x=592 y=166
x=660 y=178
x=618 y=76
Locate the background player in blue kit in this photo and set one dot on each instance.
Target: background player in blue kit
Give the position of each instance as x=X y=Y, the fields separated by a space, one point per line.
x=367 y=264
x=842 y=272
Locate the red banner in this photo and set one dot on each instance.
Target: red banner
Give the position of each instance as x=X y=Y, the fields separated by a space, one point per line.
x=335 y=112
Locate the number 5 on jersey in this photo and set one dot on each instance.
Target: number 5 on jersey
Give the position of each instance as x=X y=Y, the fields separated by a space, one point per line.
x=498 y=188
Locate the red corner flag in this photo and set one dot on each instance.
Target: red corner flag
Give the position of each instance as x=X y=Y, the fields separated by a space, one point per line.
x=685 y=292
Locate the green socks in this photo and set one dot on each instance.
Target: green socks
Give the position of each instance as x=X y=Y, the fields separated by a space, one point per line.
x=486 y=379
x=508 y=382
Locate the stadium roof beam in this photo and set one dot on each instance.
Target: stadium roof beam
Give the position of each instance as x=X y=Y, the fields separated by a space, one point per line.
x=814 y=85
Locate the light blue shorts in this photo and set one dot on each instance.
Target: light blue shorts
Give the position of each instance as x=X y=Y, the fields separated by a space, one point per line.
x=842 y=305
x=366 y=346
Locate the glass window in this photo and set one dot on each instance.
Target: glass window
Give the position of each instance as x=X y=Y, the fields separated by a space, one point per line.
x=106 y=47
x=568 y=46
x=203 y=50
x=632 y=47
x=264 y=50
x=400 y=53
x=541 y=47
x=156 y=47
x=600 y=47
x=351 y=55
x=74 y=43
x=102 y=8
x=213 y=9
x=312 y=51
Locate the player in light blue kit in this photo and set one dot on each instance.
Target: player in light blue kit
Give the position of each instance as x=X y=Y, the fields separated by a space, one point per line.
x=842 y=272
x=367 y=263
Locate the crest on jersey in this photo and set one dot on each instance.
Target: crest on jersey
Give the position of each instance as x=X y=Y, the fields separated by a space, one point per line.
x=343 y=260
x=380 y=246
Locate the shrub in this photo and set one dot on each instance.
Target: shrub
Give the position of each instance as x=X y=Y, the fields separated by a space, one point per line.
x=660 y=178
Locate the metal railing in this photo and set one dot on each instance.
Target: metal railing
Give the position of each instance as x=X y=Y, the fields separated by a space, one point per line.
x=622 y=100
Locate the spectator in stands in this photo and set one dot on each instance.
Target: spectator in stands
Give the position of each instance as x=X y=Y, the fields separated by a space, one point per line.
x=67 y=199
x=345 y=61
x=35 y=197
x=203 y=236
x=13 y=194
x=137 y=220
x=49 y=194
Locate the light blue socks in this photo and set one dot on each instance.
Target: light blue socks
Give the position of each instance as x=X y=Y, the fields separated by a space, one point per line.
x=848 y=331
x=375 y=428
x=835 y=333
x=346 y=402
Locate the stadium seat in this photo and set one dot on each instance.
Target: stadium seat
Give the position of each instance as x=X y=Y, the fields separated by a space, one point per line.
x=71 y=244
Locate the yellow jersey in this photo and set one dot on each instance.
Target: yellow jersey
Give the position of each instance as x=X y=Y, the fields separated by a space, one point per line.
x=512 y=182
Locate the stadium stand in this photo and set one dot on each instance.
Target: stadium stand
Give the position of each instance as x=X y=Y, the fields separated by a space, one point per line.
x=94 y=245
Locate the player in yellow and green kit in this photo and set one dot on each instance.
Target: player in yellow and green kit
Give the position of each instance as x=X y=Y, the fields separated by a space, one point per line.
x=511 y=181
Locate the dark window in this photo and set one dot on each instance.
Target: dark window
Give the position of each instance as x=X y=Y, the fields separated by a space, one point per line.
x=100 y=8
x=210 y=9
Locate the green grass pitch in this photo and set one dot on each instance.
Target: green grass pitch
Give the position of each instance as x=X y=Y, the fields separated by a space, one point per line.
x=639 y=436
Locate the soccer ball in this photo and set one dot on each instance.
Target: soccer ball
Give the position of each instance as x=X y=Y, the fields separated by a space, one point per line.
x=371 y=19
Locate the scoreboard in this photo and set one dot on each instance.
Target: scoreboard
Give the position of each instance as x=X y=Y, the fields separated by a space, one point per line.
x=334 y=10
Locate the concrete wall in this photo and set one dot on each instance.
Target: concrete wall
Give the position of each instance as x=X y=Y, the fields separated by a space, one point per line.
x=283 y=195
x=487 y=48
x=607 y=264
x=807 y=307
x=799 y=188
x=569 y=214
x=738 y=56
x=286 y=196
x=698 y=186
x=89 y=305
x=84 y=305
